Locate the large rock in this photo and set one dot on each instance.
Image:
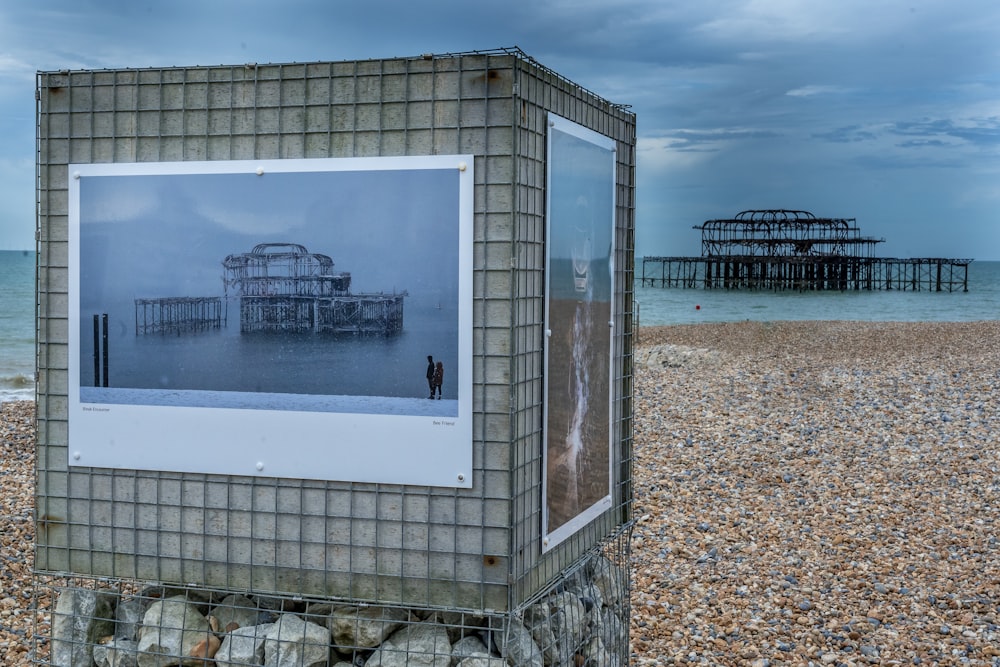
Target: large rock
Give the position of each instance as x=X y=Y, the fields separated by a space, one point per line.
x=613 y=631
x=294 y=642
x=481 y=660
x=417 y=645
x=595 y=653
x=128 y=617
x=174 y=633
x=610 y=579
x=470 y=651
x=243 y=646
x=236 y=611
x=118 y=652
x=364 y=627
x=538 y=621
x=458 y=623
x=466 y=647
x=517 y=645
x=81 y=618
x=569 y=620
x=559 y=624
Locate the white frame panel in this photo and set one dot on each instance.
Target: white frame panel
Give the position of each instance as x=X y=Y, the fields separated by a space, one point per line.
x=391 y=445
x=558 y=480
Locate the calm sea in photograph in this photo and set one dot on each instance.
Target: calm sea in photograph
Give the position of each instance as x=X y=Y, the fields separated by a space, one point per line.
x=227 y=367
x=655 y=306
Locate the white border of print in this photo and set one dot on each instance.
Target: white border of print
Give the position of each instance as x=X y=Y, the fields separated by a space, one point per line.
x=551 y=537
x=375 y=448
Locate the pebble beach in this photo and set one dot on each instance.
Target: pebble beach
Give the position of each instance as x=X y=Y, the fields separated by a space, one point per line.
x=17 y=534
x=806 y=493
x=817 y=493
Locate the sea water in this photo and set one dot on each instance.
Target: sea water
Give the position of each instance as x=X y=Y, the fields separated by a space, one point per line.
x=17 y=325
x=658 y=306
x=655 y=306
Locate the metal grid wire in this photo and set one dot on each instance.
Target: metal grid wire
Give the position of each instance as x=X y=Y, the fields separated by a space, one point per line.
x=580 y=618
x=474 y=553
x=541 y=92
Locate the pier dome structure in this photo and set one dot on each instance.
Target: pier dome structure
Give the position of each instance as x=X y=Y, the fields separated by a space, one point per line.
x=780 y=249
x=784 y=233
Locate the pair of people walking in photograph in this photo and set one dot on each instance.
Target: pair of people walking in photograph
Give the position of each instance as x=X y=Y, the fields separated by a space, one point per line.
x=435 y=376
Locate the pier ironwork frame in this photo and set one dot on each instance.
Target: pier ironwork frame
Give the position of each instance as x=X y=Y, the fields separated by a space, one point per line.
x=177 y=315
x=784 y=233
x=936 y=274
x=780 y=249
x=284 y=269
x=284 y=287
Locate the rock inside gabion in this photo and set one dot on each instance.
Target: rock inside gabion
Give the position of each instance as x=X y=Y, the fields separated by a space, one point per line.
x=570 y=625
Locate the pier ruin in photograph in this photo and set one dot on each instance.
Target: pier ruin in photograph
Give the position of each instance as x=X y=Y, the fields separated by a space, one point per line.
x=179 y=314
x=782 y=249
x=284 y=287
x=280 y=287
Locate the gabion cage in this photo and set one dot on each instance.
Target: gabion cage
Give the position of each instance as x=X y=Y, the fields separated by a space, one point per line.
x=161 y=567
x=581 y=618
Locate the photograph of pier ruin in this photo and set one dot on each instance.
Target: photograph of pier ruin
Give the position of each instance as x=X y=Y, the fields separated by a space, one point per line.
x=280 y=287
x=317 y=288
x=779 y=249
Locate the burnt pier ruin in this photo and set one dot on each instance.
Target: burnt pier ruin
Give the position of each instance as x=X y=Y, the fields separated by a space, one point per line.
x=782 y=249
x=177 y=315
x=284 y=287
x=279 y=287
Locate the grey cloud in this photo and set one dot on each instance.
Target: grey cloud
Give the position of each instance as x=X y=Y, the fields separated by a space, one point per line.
x=739 y=92
x=696 y=139
x=983 y=132
x=921 y=143
x=885 y=161
x=846 y=135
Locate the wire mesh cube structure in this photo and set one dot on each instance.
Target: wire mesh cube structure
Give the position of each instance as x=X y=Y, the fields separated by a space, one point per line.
x=297 y=544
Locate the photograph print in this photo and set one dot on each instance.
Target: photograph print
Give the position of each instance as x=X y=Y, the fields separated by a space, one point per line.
x=302 y=306
x=580 y=288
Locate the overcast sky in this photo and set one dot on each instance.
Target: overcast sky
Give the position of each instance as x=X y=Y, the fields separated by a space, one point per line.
x=881 y=110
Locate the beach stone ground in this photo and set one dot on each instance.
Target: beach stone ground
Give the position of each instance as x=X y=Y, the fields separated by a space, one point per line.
x=806 y=493
x=817 y=494
x=17 y=534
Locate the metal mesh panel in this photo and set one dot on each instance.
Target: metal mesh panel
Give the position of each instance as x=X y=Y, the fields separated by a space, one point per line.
x=541 y=91
x=303 y=543
x=581 y=617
